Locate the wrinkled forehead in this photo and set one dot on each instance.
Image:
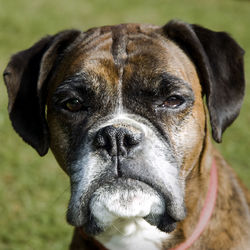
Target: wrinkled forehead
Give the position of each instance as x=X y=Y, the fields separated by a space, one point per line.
x=115 y=53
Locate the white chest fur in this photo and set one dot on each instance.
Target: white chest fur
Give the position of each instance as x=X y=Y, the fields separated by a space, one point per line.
x=132 y=234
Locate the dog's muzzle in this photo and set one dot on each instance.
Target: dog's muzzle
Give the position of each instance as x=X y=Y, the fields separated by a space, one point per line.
x=125 y=173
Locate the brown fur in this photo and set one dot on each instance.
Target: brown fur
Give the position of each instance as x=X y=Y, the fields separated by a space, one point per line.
x=231 y=217
x=112 y=54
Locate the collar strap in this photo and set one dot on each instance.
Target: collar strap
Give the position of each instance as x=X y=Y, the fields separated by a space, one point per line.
x=205 y=215
x=206 y=211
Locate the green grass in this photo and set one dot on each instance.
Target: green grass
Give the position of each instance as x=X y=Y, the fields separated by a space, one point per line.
x=34 y=191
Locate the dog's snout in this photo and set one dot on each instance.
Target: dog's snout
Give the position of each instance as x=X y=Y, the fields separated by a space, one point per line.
x=117 y=141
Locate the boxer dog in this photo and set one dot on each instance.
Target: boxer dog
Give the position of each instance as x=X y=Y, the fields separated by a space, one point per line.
x=122 y=109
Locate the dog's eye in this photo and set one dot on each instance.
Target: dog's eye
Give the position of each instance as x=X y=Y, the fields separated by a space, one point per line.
x=172 y=102
x=74 y=105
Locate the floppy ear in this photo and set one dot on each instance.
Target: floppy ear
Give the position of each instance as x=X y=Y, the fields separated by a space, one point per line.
x=219 y=63
x=25 y=77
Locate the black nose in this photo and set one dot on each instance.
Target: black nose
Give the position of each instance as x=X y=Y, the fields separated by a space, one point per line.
x=118 y=141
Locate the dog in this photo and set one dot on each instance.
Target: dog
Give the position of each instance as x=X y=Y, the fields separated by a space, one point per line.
x=122 y=109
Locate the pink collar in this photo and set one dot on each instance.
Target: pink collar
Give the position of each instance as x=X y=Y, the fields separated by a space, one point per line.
x=205 y=215
x=206 y=212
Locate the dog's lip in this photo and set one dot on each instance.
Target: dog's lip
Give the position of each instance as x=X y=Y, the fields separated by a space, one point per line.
x=130 y=182
x=162 y=221
x=131 y=191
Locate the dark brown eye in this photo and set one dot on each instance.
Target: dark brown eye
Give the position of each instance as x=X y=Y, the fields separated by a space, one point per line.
x=173 y=102
x=74 y=105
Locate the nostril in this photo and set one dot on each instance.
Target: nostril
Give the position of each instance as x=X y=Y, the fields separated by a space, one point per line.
x=103 y=138
x=132 y=139
x=99 y=140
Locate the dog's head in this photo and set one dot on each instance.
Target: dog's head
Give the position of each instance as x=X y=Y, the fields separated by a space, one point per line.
x=122 y=109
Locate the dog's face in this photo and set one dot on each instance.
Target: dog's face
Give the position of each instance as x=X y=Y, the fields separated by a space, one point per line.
x=125 y=117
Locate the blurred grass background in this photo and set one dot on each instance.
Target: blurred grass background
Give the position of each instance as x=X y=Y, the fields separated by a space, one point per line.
x=34 y=191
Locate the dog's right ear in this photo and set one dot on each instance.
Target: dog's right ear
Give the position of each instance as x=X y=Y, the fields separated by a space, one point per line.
x=25 y=77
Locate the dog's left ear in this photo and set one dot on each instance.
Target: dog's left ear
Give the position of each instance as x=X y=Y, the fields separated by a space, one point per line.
x=25 y=77
x=219 y=63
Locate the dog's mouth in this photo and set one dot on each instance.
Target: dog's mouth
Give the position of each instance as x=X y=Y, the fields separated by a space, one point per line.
x=127 y=199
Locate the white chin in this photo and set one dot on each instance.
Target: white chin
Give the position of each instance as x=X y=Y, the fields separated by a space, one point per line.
x=124 y=200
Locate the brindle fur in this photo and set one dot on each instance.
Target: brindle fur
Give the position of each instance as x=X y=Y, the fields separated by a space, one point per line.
x=137 y=55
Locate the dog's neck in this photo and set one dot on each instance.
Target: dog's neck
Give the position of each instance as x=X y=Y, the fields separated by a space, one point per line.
x=197 y=185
